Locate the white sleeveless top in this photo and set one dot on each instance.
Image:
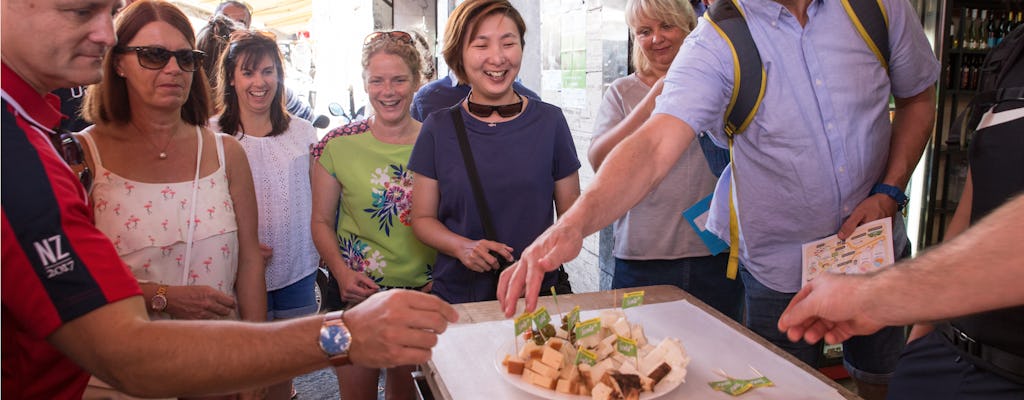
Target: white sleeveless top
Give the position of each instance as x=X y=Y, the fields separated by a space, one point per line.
x=149 y=224
x=280 y=174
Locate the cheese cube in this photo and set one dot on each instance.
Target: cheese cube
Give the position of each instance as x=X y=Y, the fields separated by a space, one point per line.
x=540 y=380
x=608 y=317
x=601 y=392
x=553 y=358
x=566 y=386
x=637 y=333
x=544 y=370
x=530 y=350
x=621 y=328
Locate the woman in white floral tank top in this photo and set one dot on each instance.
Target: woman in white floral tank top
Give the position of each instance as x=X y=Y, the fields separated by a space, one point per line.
x=176 y=199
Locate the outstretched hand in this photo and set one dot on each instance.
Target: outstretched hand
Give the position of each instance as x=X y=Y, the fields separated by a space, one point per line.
x=555 y=246
x=829 y=307
x=396 y=327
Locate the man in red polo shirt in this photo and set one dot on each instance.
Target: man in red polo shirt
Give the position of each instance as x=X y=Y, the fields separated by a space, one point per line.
x=69 y=303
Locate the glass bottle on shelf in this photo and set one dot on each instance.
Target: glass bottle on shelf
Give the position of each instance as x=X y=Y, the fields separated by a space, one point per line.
x=968 y=29
x=993 y=32
x=980 y=31
x=965 y=72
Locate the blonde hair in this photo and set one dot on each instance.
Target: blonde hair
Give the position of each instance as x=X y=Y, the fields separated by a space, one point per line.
x=677 y=13
x=406 y=50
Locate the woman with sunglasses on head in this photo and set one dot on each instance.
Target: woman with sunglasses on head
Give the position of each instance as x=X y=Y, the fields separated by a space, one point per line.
x=250 y=95
x=522 y=149
x=176 y=199
x=361 y=200
x=653 y=244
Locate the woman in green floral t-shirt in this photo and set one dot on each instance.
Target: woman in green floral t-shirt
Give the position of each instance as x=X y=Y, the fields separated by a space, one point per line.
x=361 y=198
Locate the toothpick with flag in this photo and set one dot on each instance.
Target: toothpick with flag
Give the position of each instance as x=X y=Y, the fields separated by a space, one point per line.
x=522 y=324
x=554 y=297
x=540 y=319
x=627 y=347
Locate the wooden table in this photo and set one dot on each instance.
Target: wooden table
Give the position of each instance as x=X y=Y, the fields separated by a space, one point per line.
x=470 y=313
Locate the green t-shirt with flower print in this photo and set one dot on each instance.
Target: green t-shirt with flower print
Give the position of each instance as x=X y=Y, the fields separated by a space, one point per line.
x=374 y=233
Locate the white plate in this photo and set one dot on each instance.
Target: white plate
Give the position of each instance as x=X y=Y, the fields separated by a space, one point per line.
x=661 y=389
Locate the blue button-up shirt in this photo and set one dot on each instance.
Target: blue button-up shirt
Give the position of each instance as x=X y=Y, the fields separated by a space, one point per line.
x=820 y=139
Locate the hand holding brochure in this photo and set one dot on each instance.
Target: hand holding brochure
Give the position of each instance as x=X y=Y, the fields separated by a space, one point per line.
x=867 y=249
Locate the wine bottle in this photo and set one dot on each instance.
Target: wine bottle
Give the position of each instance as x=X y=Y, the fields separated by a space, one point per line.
x=968 y=29
x=981 y=31
x=993 y=33
x=965 y=72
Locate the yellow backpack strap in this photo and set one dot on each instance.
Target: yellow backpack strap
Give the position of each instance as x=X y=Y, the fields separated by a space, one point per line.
x=872 y=23
x=748 y=72
x=749 y=80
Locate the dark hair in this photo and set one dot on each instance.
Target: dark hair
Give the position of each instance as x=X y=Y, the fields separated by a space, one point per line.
x=246 y=49
x=463 y=24
x=107 y=101
x=212 y=40
x=408 y=52
x=242 y=4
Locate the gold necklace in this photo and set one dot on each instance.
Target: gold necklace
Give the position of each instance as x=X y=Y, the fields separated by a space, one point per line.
x=162 y=151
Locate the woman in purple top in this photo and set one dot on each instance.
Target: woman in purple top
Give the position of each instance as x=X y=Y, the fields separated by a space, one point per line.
x=522 y=147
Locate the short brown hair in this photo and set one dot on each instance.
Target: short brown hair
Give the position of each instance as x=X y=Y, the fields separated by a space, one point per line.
x=464 y=22
x=107 y=101
x=247 y=48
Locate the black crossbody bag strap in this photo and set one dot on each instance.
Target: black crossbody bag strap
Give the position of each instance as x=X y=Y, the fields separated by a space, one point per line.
x=474 y=176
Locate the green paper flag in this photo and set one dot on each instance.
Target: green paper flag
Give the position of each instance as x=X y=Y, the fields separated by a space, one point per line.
x=633 y=299
x=541 y=318
x=523 y=322
x=585 y=356
x=588 y=328
x=573 y=317
x=626 y=346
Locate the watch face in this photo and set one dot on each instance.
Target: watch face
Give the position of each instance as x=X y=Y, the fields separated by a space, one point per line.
x=334 y=339
x=159 y=302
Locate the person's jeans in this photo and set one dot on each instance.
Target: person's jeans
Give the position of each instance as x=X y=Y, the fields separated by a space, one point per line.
x=295 y=300
x=870 y=359
x=703 y=277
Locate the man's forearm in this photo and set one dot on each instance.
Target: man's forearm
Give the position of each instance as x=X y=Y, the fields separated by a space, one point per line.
x=978 y=270
x=912 y=125
x=629 y=173
x=175 y=358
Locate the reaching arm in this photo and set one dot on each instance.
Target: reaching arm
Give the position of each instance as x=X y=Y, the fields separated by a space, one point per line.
x=250 y=284
x=474 y=254
x=912 y=125
x=635 y=166
x=185 y=358
x=603 y=144
x=974 y=272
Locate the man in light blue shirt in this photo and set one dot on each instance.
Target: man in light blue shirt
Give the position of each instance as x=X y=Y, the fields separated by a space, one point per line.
x=804 y=169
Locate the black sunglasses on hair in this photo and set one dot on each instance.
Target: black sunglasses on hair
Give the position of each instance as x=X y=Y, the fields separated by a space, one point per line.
x=158 y=57
x=396 y=35
x=71 y=151
x=504 y=110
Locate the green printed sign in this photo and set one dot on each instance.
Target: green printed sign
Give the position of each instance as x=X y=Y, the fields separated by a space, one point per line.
x=626 y=346
x=541 y=318
x=573 y=317
x=588 y=328
x=585 y=356
x=633 y=299
x=737 y=387
x=523 y=322
x=734 y=387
